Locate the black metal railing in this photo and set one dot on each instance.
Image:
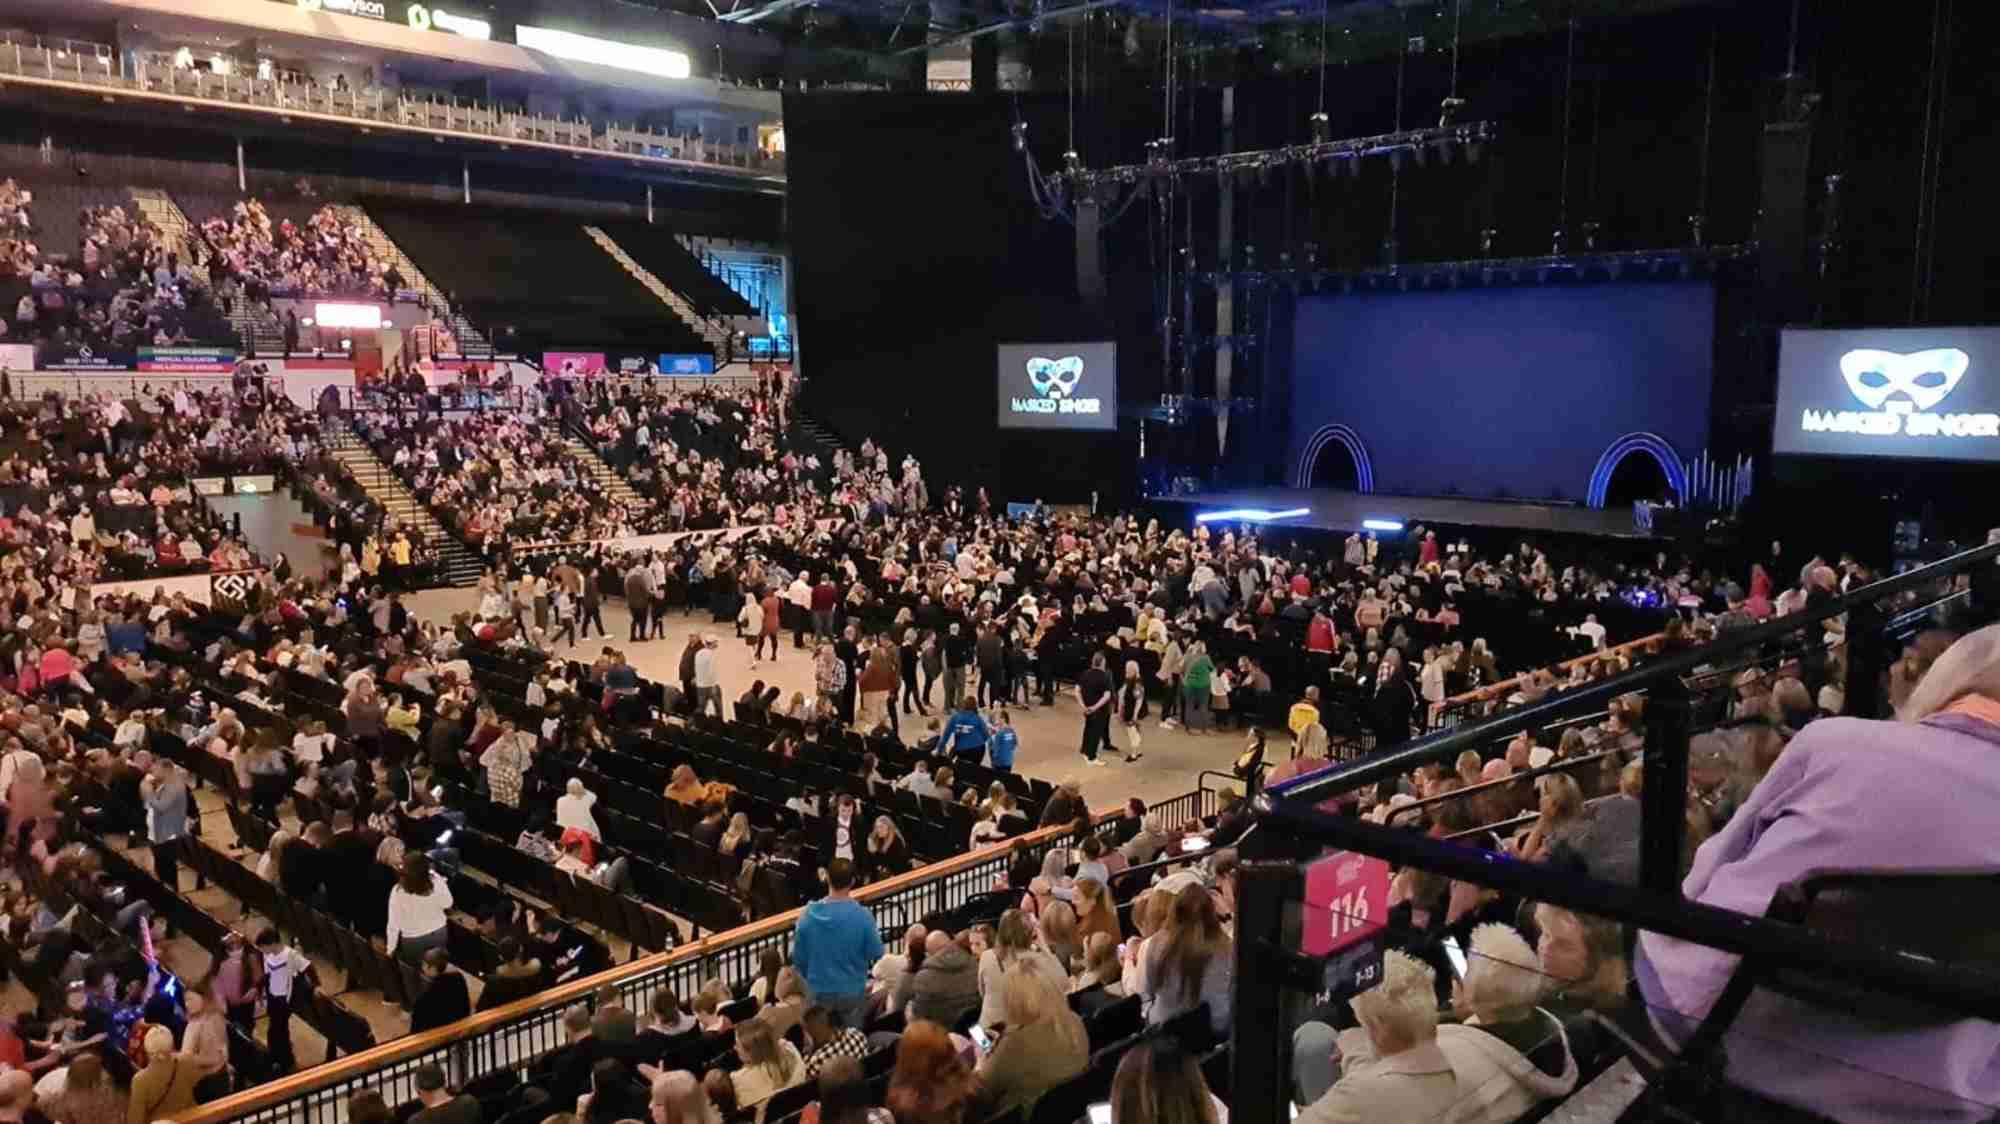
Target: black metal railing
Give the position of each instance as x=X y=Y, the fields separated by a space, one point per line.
x=1293 y=824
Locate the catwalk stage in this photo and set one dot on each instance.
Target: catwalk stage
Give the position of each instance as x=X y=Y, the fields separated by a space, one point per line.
x=1331 y=510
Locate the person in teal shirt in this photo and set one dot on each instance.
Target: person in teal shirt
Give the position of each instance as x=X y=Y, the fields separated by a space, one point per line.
x=1195 y=679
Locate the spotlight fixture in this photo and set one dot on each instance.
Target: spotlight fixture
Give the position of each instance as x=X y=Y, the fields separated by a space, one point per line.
x=1321 y=127
x=1448 y=111
x=1072 y=162
x=1020 y=136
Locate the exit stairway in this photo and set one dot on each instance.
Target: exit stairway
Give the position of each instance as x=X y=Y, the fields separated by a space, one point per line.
x=712 y=332
x=611 y=480
x=461 y=566
x=471 y=344
x=257 y=327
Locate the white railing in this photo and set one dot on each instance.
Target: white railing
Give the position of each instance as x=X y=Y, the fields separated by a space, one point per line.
x=60 y=66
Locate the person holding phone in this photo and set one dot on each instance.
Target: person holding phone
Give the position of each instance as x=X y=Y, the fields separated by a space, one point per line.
x=1042 y=1045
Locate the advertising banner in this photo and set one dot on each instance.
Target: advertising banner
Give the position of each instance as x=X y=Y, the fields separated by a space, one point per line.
x=571 y=364
x=687 y=364
x=218 y=360
x=17 y=356
x=1918 y=393
x=83 y=357
x=1058 y=385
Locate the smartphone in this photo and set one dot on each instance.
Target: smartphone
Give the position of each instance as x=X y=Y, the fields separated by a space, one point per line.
x=1456 y=955
x=984 y=1040
x=1100 y=1113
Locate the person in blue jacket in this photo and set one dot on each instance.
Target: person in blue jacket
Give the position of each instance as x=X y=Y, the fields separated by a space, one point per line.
x=1001 y=748
x=965 y=734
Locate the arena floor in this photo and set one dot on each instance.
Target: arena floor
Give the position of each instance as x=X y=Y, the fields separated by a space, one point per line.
x=1049 y=736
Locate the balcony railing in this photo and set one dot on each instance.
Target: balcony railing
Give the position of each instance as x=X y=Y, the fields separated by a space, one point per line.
x=515 y=1034
x=59 y=67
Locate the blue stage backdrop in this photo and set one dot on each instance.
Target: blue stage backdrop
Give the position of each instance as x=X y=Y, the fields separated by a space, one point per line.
x=1515 y=392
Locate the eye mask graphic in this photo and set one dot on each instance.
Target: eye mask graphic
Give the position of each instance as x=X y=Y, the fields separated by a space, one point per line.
x=1055 y=378
x=1925 y=378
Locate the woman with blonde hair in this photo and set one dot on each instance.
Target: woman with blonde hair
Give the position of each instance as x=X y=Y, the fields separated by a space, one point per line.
x=1059 y=933
x=1044 y=1045
x=1100 y=966
x=1561 y=815
x=1095 y=911
x=736 y=840
x=770 y=1064
x=685 y=788
x=678 y=1098
x=1013 y=947
x=1149 y=911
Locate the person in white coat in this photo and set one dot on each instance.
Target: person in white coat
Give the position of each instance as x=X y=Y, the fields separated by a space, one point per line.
x=573 y=810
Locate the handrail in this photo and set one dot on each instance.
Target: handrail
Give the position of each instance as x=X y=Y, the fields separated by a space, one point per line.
x=410 y=1045
x=1448 y=743
x=1650 y=645
x=1472 y=790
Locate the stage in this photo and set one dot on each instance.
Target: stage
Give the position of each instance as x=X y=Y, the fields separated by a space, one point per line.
x=1331 y=510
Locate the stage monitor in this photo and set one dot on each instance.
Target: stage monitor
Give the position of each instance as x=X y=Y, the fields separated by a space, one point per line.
x=1916 y=393
x=1058 y=385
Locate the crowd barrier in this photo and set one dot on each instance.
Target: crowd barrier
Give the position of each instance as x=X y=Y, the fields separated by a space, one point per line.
x=513 y=1035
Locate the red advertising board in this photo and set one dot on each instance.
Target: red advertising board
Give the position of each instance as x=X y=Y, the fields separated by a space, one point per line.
x=1347 y=900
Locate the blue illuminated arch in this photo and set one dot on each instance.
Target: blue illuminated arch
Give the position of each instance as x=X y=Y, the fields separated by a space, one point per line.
x=1364 y=469
x=1653 y=445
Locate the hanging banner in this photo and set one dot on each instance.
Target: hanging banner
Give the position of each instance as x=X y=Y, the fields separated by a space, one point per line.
x=214 y=360
x=83 y=357
x=687 y=364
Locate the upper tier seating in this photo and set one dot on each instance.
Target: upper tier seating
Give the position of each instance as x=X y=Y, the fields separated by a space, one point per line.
x=659 y=250
x=540 y=274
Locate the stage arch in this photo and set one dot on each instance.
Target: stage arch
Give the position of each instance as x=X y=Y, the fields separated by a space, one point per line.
x=1347 y=439
x=1649 y=444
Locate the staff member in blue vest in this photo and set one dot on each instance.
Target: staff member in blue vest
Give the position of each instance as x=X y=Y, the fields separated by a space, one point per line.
x=1005 y=741
x=965 y=734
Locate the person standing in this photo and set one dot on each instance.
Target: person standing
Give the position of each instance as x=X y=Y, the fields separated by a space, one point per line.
x=773 y=612
x=165 y=793
x=834 y=946
x=1132 y=709
x=1000 y=748
x=591 y=598
x=800 y=594
x=824 y=596
x=957 y=654
x=1197 y=677
x=1093 y=691
x=638 y=600
x=284 y=967
x=965 y=734
x=850 y=658
x=707 y=676
x=988 y=653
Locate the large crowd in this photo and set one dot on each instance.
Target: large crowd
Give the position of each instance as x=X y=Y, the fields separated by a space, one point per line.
x=247 y=251
x=122 y=288
x=1144 y=625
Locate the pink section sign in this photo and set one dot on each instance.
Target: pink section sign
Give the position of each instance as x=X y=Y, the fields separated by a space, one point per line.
x=1347 y=900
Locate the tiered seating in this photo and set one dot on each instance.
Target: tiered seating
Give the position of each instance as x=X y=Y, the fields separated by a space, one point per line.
x=539 y=274
x=660 y=251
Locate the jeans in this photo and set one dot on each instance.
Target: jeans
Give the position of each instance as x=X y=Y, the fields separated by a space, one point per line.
x=592 y=615
x=954 y=686
x=930 y=680
x=410 y=949
x=166 y=863
x=758 y=653
x=1313 y=1069
x=1194 y=701
x=1172 y=707
x=706 y=695
x=851 y=1010
x=823 y=625
x=992 y=686
x=640 y=612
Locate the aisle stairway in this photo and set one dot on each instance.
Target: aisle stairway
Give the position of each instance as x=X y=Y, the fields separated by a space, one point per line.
x=471 y=343
x=256 y=326
x=712 y=332
x=610 y=479
x=461 y=565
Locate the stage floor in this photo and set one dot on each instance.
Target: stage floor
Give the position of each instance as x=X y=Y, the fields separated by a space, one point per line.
x=1331 y=510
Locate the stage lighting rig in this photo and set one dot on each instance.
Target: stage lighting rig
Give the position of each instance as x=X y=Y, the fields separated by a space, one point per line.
x=1350 y=151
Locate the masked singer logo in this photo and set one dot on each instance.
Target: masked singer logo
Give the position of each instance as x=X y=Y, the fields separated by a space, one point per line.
x=1055 y=382
x=1055 y=378
x=1924 y=378
x=1901 y=391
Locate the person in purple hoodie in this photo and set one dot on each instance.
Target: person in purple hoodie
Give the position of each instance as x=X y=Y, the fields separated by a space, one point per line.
x=1847 y=793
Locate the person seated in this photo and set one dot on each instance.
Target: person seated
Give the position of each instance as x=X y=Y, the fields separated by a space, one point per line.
x=1390 y=1067
x=1509 y=1054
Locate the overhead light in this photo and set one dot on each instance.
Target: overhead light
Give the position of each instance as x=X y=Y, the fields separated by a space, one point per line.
x=584 y=48
x=1250 y=515
x=1380 y=525
x=348 y=315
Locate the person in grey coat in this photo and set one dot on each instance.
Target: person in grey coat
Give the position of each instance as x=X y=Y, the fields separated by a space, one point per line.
x=945 y=988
